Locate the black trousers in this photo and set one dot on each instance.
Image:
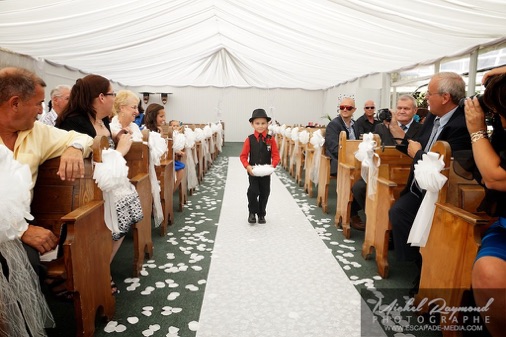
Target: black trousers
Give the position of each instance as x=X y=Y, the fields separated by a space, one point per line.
x=359 y=190
x=258 y=194
x=402 y=214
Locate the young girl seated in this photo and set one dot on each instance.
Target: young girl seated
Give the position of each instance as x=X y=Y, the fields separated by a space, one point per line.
x=154 y=118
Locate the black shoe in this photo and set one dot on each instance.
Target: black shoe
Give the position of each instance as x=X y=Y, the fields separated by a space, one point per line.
x=261 y=219
x=252 y=218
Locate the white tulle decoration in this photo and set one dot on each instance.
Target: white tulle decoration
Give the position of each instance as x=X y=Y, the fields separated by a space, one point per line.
x=294 y=135
x=282 y=129
x=428 y=177
x=15 y=197
x=263 y=170
x=317 y=140
x=303 y=137
x=111 y=174
x=199 y=134
x=288 y=132
x=219 y=136
x=207 y=131
x=178 y=141
x=189 y=138
x=369 y=170
x=157 y=147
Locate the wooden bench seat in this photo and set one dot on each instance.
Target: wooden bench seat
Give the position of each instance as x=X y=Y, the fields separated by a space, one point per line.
x=455 y=234
x=78 y=207
x=348 y=172
x=393 y=174
x=138 y=172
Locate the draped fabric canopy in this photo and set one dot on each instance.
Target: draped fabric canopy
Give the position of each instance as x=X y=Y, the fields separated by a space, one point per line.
x=246 y=43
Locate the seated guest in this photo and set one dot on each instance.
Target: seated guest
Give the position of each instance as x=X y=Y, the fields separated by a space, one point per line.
x=489 y=270
x=139 y=119
x=32 y=143
x=91 y=102
x=59 y=100
x=125 y=109
x=402 y=125
x=155 y=118
x=178 y=165
x=343 y=122
x=446 y=122
x=367 y=122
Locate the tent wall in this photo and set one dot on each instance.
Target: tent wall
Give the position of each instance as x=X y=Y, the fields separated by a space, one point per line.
x=235 y=105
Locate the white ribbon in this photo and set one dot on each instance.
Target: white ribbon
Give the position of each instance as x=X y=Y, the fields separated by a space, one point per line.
x=111 y=174
x=157 y=147
x=191 y=156
x=304 y=137
x=317 y=140
x=219 y=137
x=178 y=141
x=428 y=177
x=15 y=196
x=369 y=170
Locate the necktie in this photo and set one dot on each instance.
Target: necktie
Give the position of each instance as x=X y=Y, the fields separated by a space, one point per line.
x=432 y=138
x=404 y=128
x=260 y=138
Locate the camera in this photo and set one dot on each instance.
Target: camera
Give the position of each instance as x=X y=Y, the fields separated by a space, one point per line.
x=483 y=106
x=384 y=115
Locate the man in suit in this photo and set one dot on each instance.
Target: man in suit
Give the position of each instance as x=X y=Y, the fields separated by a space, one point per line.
x=402 y=126
x=343 y=122
x=367 y=122
x=446 y=121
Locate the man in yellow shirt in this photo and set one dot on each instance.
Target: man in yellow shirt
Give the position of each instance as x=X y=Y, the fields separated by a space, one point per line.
x=32 y=143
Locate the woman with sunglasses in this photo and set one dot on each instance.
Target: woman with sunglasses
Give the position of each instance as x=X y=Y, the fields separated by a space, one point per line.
x=343 y=122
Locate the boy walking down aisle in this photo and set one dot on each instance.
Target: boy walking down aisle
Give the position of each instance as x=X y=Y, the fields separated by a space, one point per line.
x=259 y=149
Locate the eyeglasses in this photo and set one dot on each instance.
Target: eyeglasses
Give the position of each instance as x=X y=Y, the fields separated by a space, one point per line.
x=110 y=94
x=428 y=93
x=346 y=107
x=368 y=107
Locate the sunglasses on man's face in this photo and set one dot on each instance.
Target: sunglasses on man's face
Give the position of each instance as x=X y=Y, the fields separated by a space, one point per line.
x=346 y=107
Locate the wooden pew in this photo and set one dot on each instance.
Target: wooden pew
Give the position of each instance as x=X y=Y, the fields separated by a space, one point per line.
x=78 y=207
x=138 y=163
x=455 y=234
x=348 y=171
x=378 y=230
x=201 y=164
x=308 y=157
x=300 y=159
x=165 y=175
x=393 y=174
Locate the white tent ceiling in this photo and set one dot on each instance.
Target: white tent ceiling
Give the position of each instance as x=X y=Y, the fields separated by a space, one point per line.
x=259 y=43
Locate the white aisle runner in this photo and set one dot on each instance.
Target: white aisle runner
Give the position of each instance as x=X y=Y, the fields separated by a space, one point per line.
x=276 y=279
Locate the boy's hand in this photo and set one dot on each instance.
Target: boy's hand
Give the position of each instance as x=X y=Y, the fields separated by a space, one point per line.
x=249 y=168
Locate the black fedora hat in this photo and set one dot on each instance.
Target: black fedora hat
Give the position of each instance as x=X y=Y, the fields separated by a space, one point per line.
x=259 y=113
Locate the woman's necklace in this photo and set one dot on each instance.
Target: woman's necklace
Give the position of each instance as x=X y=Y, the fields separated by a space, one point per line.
x=100 y=123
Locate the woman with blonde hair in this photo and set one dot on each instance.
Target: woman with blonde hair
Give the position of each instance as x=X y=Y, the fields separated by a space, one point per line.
x=126 y=108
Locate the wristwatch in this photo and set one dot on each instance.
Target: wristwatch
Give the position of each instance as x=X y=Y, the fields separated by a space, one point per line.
x=77 y=146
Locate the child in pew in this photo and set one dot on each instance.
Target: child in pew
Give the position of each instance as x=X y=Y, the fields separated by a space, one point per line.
x=154 y=119
x=91 y=102
x=259 y=149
